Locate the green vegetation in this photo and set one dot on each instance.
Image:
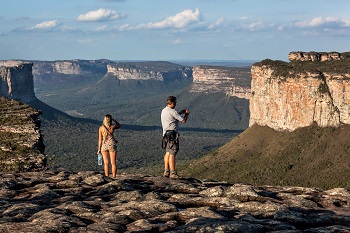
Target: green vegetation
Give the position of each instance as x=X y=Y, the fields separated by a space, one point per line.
x=14 y=114
x=293 y=68
x=71 y=143
x=310 y=157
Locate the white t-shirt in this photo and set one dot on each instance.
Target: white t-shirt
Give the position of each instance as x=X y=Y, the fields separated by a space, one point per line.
x=170 y=119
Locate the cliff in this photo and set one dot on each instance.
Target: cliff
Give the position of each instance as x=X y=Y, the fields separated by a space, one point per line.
x=287 y=96
x=161 y=71
x=88 y=202
x=21 y=143
x=16 y=80
x=315 y=56
x=232 y=81
x=71 y=71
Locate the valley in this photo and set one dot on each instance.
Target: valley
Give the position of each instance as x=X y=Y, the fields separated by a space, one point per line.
x=71 y=139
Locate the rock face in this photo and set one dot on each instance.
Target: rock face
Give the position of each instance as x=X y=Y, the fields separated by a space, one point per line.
x=51 y=72
x=285 y=98
x=21 y=143
x=88 y=202
x=161 y=71
x=314 y=56
x=16 y=80
x=232 y=81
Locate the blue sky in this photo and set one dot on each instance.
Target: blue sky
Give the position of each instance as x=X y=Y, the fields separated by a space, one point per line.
x=171 y=30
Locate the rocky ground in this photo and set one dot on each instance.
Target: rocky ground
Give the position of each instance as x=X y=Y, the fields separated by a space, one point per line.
x=88 y=202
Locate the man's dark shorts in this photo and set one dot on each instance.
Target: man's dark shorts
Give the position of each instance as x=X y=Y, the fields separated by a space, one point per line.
x=170 y=142
x=172 y=148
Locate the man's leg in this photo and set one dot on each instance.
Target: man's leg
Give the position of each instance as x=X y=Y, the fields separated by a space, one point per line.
x=173 y=173
x=166 y=160
x=166 y=164
x=172 y=162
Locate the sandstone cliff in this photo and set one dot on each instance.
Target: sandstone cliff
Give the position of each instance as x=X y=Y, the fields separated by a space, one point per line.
x=161 y=71
x=287 y=96
x=88 y=202
x=16 y=80
x=53 y=72
x=21 y=143
x=315 y=56
x=232 y=81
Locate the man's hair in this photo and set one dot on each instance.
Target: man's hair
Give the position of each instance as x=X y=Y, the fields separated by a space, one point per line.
x=170 y=100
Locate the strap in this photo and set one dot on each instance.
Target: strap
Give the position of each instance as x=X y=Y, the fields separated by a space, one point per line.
x=110 y=133
x=108 y=130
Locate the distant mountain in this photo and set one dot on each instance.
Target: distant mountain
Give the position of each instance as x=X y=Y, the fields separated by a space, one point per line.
x=138 y=100
x=68 y=72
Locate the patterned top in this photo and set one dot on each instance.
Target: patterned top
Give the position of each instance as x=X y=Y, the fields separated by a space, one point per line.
x=108 y=143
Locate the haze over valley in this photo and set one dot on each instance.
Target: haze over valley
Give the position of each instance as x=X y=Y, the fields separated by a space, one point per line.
x=92 y=92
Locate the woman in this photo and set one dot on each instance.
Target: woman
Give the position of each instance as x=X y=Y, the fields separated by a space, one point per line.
x=107 y=144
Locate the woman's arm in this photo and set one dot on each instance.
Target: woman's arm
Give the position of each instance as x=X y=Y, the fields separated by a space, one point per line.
x=99 y=141
x=116 y=124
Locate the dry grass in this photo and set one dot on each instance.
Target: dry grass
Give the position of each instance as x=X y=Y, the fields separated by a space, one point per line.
x=311 y=156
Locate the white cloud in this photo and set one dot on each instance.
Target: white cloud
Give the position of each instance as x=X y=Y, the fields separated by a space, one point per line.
x=125 y=27
x=324 y=22
x=47 y=25
x=216 y=24
x=180 y=20
x=256 y=26
x=176 y=41
x=100 y=15
x=103 y=28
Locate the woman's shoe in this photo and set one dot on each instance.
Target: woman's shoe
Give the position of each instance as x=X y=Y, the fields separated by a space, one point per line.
x=166 y=174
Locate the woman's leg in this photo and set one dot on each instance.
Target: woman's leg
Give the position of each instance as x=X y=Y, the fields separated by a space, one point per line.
x=105 y=155
x=113 y=156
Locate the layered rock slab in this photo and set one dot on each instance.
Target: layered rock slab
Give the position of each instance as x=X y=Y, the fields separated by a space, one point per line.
x=21 y=142
x=88 y=202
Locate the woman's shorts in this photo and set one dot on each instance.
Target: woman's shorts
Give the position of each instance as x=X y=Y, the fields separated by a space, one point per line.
x=110 y=150
x=109 y=147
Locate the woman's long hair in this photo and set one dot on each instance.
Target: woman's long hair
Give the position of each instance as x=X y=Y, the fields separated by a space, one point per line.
x=107 y=121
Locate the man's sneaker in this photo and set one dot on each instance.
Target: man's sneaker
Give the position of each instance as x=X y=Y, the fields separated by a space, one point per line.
x=174 y=175
x=166 y=174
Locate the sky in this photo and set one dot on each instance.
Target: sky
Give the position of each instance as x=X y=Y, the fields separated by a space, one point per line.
x=171 y=30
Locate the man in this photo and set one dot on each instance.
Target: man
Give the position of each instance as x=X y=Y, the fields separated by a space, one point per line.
x=170 y=120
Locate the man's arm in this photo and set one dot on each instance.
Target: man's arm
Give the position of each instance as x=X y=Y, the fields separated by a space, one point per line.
x=186 y=116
